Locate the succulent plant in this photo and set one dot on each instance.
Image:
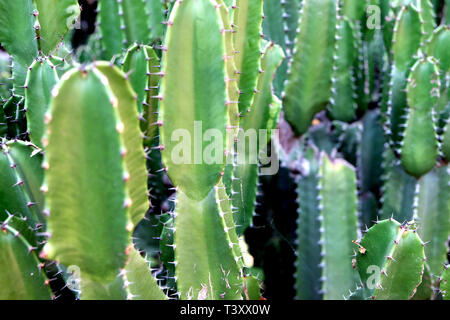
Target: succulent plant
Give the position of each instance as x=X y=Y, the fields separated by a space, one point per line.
x=130 y=167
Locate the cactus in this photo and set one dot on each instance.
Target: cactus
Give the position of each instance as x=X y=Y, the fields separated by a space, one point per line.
x=419 y=146
x=308 y=89
x=25 y=279
x=143 y=176
x=383 y=253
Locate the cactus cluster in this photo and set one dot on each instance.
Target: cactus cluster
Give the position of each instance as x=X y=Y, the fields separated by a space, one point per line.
x=124 y=167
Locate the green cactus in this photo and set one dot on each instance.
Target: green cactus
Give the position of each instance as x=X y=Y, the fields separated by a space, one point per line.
x=256 y=119
x=405 y=43
x=41 y=78
x=21 y=179
x=419 y=148
x=386 y=249
x=309 y=83
x=24 y=279
x=205 y=106
x=140 y=177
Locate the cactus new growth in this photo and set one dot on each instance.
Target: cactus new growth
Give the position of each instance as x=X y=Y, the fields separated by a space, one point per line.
x=143 y=162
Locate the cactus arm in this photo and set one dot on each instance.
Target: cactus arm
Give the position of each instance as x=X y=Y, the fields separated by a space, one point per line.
x=17 y=30
x=257 y=119
x=156 y=13
x=205 y=264
x=342 y=104
x=21 y=277
x=445 y=283
x=247 y=22
x=86 y=184
x=55 y=18
x=433 y=216
x=308 y=89
x=339 y=226
x=419 y=151
x=136 y=20
x=40 y=80
x=142 y=285
x=142 y=67
x=308 y=271
x=112 y=34
x=194 y=86
x=406 y=41
x=134 y=155
x=389 y=248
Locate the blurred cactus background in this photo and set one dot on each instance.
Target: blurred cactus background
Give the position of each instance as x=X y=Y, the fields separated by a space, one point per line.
x=343 y=194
